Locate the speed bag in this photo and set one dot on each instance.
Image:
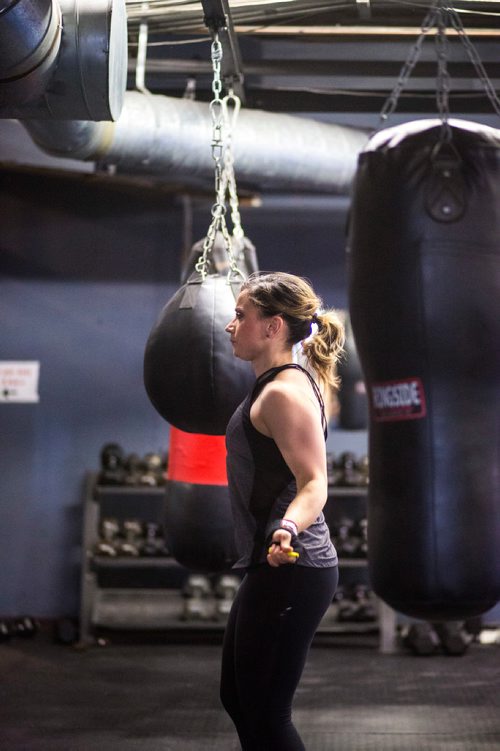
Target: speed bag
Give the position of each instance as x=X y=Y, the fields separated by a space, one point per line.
x=190 y=373
x=424 y=287
x=198 y=521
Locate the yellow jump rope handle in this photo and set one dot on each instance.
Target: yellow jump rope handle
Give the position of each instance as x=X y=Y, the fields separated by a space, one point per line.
x=291 y=554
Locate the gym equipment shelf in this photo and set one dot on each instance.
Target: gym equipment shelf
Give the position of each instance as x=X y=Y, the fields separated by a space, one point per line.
x=347 y=491
x=103 y=491
x=105 y=581
x=145 y=593
x=351 y=500
x=352 y=562
x=101 y=562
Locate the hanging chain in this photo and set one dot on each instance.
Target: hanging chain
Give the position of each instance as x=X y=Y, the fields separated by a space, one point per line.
x=218 y=210
x=407 y=69
x=457 y=24
x=441 y=16
x=230 y=117
x=222 y=127
x=443 y=77
x=232 y=100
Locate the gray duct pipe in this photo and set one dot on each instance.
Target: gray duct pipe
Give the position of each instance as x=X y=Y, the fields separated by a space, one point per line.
x=170 y=138
x=30 y=37
x=63 y=59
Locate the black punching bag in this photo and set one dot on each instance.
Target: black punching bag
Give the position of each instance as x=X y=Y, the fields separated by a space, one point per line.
x=199 y=526
x=190 y=373
x=424 y=277
x=352 y=393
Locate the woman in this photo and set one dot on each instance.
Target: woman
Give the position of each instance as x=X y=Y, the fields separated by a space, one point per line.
x=278 y=486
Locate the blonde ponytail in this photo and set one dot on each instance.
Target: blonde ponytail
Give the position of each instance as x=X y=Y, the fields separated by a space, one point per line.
x=324 y=347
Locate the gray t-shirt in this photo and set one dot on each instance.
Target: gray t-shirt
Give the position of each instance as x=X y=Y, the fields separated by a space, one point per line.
x=261 y=487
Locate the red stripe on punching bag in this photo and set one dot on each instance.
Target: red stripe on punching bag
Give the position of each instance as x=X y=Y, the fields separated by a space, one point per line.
x=196 y=458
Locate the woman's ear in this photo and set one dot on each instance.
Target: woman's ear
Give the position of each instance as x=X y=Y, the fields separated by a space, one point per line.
x=274 y=325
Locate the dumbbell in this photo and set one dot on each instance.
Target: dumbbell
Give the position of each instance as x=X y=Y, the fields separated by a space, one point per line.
x=107 y=544
x=365 y=611
x=421 y=639
x=149 y=470
x=225 y=590
x=351 y=476
x=154 y=470
x=362 y=532
x=132 y=532
x=335 y=473
x=6 y=631
x=25 y=627
x=133 y=470
x=363 y=467
x=453 y=637
x=112 y=469
x=345 y=608
x=197 y=585
x=154 y=543
x=198 y=596
x=346 y=541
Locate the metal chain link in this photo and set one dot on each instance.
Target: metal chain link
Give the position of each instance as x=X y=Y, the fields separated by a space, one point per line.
x=457 y=24
x=443 y=84
x=407 y=69
x=230 y=120
x=442 y=15
x=229 y=180
x=218 y=208
x=218 y=111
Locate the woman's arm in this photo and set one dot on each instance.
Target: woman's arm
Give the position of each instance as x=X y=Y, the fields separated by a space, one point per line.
x=292 y=420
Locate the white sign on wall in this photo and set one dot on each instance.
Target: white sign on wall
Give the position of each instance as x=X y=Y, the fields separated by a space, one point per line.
x=19 y=381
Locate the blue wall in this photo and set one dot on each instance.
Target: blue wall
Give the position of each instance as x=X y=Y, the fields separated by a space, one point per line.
x=85 y=270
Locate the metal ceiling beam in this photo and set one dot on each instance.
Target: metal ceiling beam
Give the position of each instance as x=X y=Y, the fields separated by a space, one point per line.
x=302 y=32
x=338 y=73
x=218 y=19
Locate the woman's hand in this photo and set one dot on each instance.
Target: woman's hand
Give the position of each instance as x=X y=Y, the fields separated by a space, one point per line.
x=280 y=551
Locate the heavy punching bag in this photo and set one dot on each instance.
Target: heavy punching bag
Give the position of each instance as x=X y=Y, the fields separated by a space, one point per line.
x=198 y=527
x=352 y=393
x=424 y=265
x=190 y=373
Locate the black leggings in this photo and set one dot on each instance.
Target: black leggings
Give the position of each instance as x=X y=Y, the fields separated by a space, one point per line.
x=270 y=628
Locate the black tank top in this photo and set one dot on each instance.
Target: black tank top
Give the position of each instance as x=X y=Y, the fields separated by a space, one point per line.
x=261 y=485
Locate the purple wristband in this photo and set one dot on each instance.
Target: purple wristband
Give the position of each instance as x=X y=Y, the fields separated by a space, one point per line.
x=289 y=526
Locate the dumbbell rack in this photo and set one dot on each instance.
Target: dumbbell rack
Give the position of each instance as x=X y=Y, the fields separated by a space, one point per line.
x=125 y=593
x=352 y=501
x=144 y=593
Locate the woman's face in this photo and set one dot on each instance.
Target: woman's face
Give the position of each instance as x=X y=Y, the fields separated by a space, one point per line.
x=247 y=329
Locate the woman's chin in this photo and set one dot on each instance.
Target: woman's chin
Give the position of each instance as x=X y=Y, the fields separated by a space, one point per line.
x=240 y=355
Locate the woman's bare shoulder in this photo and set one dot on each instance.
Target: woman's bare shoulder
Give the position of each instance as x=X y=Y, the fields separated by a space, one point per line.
x=289 y=388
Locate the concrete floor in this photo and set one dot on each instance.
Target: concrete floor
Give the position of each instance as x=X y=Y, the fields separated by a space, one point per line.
x=164 y=697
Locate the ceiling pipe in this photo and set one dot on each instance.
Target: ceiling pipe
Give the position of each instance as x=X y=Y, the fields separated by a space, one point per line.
x=170 y=138
x=30 y=39
x=63 y=59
